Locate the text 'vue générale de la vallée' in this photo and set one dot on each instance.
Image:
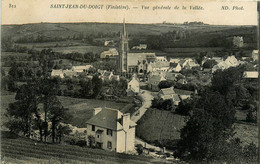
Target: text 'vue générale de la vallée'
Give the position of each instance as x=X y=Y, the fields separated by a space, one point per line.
x=125 y=7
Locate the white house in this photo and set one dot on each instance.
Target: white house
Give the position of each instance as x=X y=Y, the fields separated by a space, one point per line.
x=255 y=54
x=57 y=72
x=133 y=85
x=238 y=41
x=112 y=130
x=175 y=67
x=112 y=52
x=174 y=60
x=250 y=74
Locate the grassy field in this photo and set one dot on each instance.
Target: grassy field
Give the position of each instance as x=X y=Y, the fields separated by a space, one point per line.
x=22 y=150
x=81 y=109
x=247 y=133
x=159 y=125
x=80 y=49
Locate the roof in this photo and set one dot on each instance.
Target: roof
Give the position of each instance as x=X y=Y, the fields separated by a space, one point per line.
x=167 y=91
x=183 y=92
x=155 y=79
x=174 y=64
x=133 y=58
x=175 y=97
x=108 y=118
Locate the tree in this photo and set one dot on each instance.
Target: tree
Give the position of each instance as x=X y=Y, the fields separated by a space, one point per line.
x=165 y=84
x=62 y=130
x=139 y=149
x=224 y=79
x=209 y=125
x=56 y=114
x=21 y=112
x=97 y=85
x=209 y=64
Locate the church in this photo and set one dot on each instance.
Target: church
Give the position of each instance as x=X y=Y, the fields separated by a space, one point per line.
x=132 y=62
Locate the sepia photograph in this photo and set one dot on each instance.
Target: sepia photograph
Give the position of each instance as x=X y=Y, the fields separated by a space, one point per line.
x=134 y=81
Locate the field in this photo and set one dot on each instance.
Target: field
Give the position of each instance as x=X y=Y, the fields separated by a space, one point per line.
x=247 y=133
x=81 y=109
x=159 y=125
x=80 y=49
x=22 y=150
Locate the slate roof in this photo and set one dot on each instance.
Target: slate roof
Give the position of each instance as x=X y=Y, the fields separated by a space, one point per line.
x=108 y=118
x=183 y=92
x=133 y=58
x=175 y=97
x=167 y=91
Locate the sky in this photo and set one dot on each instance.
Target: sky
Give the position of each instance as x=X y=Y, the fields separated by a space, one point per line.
x=36 y=11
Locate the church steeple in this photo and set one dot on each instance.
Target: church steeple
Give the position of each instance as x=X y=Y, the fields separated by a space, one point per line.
x=124 y=30
x=123 y=50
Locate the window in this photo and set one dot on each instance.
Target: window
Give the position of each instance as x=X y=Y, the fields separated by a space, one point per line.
x=93 y=127
x=109 y=132
x=109 y=145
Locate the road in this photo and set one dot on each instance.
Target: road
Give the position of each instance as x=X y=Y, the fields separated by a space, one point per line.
x=146 y=103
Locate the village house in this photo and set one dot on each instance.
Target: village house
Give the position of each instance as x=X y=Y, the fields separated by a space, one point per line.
x=255 y=54
x=250 y=75
x=133 y=87
x=108 y=76
x=238 y=41
x=174 y=60
x=112 y=130
x=112 y=52
x=184 y=94
x=231 y=61
x=175 y=67
x=57 y=72
x=161 y=58
x=108 y=43
x=153 y=82
x=168 y=93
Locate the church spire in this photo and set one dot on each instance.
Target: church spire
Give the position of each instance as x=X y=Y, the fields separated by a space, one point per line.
x=124 y=30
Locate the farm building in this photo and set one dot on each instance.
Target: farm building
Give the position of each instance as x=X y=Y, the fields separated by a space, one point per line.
x=112 y=130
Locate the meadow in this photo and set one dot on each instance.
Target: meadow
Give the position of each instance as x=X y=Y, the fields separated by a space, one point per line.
x=159 y=125
x=80 y=109
x=15 y=149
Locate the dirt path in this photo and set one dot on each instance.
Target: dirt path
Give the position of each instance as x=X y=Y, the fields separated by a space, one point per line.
x=147 y=102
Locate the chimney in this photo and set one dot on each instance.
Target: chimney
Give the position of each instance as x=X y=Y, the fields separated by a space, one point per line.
x=126 y=121
x=96 y=111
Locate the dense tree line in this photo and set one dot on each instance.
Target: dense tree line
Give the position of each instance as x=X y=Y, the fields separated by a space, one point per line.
x=209 y=133
x=37 y=109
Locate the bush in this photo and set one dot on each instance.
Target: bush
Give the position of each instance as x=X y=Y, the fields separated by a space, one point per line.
x=139 y=149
